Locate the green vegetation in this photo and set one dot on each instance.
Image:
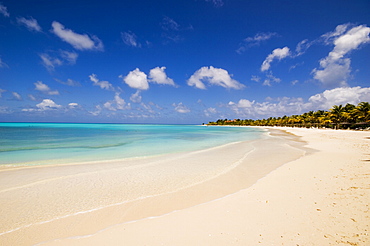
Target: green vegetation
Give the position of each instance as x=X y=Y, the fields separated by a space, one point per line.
x=338 y=117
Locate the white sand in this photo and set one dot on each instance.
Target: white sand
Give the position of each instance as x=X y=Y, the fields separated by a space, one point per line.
x=321 y=198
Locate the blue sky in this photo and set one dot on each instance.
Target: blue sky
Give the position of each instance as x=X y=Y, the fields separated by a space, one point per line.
x=183 y=61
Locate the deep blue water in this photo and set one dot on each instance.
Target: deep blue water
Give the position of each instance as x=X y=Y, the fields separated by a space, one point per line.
x=58 y=143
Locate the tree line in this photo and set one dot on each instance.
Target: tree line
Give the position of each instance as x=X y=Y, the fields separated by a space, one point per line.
x=338 y=117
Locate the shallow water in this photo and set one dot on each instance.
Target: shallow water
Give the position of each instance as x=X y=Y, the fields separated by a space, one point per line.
x=56 y=143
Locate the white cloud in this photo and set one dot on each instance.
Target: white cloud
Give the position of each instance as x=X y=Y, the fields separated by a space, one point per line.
x=278 y=53
x=136 y=79
x=60 y=58
x=214 y=76
x=130 y=39
x=108 y=105
x=105 y=85
x=136 y=98
x=73 y=105
x=97 y=111
x=341 y=95
x=78 y=41
x=158 y=75
x=255 y=40
x=339 y=30
x=255 y=78
x=302 y=47
x=4 y=10
x=31 y=97
x=294 y=82
x=117 y=103
x=39 y=86
x=46 y=104
x=5 y=110
x=30 y=23
x=335 y=68
x=252 y=109
x=289 y=106
x=50 y=62
x=69 y=82
x=70 y=57
x=269 y=79
x=16 y=96
x=181 y=108
x=210 y=111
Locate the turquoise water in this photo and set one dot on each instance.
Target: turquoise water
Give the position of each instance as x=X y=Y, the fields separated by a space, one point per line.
x=58 y=143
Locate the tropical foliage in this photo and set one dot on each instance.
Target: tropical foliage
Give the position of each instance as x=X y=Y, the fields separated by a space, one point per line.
x=338 y=117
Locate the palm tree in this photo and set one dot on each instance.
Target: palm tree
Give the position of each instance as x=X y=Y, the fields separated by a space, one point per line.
x=362 y=111
x=337 y=115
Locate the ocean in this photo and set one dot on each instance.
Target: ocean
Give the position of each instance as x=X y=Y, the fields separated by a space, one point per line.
x=62 y=143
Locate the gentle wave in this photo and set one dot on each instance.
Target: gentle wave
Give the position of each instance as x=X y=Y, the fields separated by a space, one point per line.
x=63 y=147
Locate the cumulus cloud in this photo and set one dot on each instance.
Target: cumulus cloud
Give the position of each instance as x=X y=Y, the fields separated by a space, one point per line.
x=256 y=40
x=30 y=23
x=251 y=109
x=97 y=111
x=340 y=95
x=46 y=104
x=105 y=85
x=117 y=104
x=4 y=10
x=78 y=41
x=181 y=108
x=289 y=106
x=335 y=68
x=213 y=76
x=136 y=97
x=136 y=79
x=158 y=75
x=278 y=53
x=130 y=39
x=39 y=86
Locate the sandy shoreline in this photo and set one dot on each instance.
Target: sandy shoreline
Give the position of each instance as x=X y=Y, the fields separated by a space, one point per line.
x=319 y=199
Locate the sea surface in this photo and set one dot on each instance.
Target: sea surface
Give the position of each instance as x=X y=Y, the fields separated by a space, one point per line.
x=60 y=143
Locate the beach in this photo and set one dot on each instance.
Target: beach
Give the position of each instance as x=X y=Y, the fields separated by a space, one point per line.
x=294 y=187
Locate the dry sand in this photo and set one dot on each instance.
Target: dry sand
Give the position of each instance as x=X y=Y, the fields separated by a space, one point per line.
x=287 y=195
